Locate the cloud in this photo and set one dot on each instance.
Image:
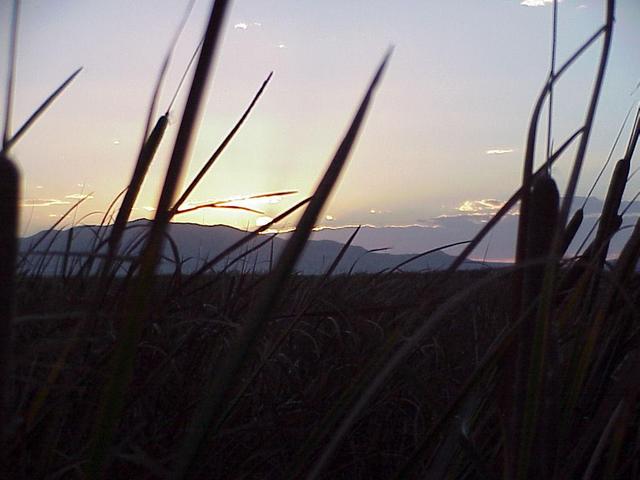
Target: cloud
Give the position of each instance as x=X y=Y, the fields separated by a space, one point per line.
x=78 y=196
x=537 y=3
x=246 y=26
x=484 y=206
x=262 y=221
x=499 y=151
x=42 y=202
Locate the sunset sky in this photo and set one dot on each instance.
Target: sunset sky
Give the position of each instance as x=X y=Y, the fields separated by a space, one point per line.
x=444 y=136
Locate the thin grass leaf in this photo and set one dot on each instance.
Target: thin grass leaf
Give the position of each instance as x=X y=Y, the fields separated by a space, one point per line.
x=243 y=241
x=209 y=163
x=218 y=205
x=11 y=72
x=231 y=405
x=138 y=301
x=572 y=184
x=150 y=143
x=147 y=153
x=37 y=243
x=9 y=197
x=183 y=78
x=364 y=395
x=212 y=405
x=554 y=41
x=225 y=203
x=424 y=254
x=527 y=175
x=40 y=110
x=609 y=157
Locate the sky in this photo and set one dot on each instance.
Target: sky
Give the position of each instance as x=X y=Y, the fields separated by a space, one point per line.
x=443 y=140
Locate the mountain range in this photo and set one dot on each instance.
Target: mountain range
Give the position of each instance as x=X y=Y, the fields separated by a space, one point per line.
x=192 y=245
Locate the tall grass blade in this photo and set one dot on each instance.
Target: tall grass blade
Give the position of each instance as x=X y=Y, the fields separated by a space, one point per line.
x=9 y=195
x=570 y=190
x=138 y=301
x=11 y=72
x=386 y=368
x=554 y=41
x=533 y=346
x=531 y=141
x=212 y=405
x=145 y=158
x=150 y=143
x=609 y=157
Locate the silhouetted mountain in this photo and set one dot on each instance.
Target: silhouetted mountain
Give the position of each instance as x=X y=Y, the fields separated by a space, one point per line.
x=192 y=245
x=458 y=226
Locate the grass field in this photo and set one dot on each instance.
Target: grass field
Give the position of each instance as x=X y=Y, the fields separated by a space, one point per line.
x=317 y=344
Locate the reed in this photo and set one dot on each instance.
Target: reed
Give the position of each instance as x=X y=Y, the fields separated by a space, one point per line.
x=9 y=197
x=138 y=303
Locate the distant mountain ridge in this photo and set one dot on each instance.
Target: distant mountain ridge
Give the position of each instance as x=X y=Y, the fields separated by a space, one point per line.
x=196 y=244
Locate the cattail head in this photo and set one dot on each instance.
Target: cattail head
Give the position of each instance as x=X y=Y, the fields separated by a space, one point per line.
x=544 y=213
x=572 y=229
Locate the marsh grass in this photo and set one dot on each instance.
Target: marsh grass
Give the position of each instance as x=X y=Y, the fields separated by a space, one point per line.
x=223 y=374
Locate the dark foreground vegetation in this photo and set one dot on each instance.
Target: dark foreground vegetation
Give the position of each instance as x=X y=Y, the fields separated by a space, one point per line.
x=523 y=373
x=324 y=337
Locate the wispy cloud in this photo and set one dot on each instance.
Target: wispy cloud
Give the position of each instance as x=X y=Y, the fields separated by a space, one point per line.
x=537 y=3
x=42 y=202
x=246 y=26
x=499 y=151
x=486 y=205
x=78 y=196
